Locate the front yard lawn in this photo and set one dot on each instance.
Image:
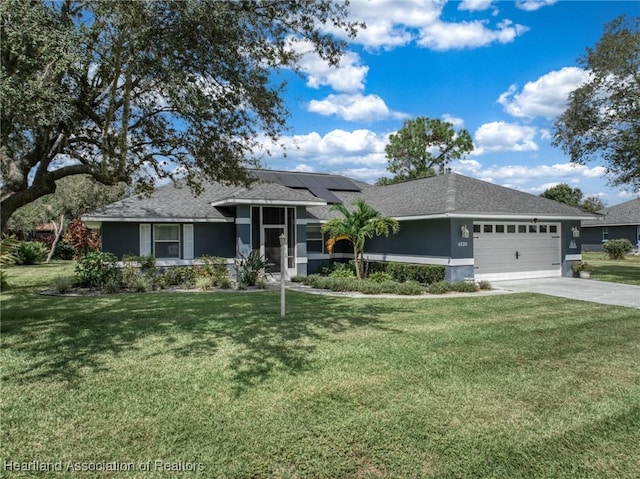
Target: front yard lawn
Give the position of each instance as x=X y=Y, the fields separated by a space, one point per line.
x=620 y=271
x=518 y=385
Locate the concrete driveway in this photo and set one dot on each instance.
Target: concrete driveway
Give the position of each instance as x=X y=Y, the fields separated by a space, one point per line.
x=574 y=288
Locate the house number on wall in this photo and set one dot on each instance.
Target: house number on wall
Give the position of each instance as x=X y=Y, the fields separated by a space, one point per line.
x=462 y=243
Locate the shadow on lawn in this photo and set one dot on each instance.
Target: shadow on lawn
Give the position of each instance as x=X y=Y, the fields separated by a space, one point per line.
x=61 y=337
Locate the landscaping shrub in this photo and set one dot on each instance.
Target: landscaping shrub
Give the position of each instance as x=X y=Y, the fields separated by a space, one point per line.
x=485 y=285
x=380 y=277
x=250 y=268
x=211 y=267
x=81 y=238
x=204 y=282
x=7 y=257
x=401 y=272
x=464 y=287
x=111 y=287
x=617 y=248
x=440 y=287
x=63 y=251
x=180 y=275
x=96 y=268
x=31 y=252
x=61 y=284
x=343 y=270
x=363 y=286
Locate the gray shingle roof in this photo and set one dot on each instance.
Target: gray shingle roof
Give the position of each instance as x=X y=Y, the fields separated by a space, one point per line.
x=455 y=195
x=445 y=195
x=627 y=213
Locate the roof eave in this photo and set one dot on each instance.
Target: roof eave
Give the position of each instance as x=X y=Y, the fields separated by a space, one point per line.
x=154 y=219
x=258 y=201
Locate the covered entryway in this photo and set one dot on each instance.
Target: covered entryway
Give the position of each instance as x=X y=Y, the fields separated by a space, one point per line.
x=504 y=250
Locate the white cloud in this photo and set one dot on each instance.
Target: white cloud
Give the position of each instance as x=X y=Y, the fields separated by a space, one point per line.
x=355 y=107
x=302 y=168
x=500 y=136
x=475 y=5
x=394 y=23
x=454 y=120
x=546 y=96
x=447 y=36
x=348 y=76
x=531 y=5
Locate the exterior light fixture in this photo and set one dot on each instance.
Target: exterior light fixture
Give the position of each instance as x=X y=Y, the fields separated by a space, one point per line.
x=464 y=231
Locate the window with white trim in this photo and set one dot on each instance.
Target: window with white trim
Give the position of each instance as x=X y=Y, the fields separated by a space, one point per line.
x=166 y=241
x=315 y=239
x=605 y=233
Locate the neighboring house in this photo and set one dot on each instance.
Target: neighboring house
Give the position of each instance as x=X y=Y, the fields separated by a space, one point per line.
x=473 y=228
x=618 y=222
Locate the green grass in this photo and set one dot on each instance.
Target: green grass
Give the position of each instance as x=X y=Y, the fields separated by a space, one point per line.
x=621 y=271
x=494 y=386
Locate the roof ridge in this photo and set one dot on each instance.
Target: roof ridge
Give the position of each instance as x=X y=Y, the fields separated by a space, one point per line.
x=450 y=200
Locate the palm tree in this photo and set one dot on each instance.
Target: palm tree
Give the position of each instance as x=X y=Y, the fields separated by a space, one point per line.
x=356 y=227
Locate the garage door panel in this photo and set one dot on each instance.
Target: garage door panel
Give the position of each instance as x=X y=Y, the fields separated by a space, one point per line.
x=538 y=254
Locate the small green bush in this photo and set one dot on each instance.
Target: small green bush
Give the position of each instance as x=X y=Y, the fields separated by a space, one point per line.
x=297 y=279
x=180 y=275
x=617 y=248
x=225 y=283
x=485 y=285
x=63 y=251
x=96 y=268
x=464 y=287
x=402 y=272
x=31 y=252
x=61 y=284
x=440 y=287
x=204 y=282
x=380 y=277
x=111 y=287
x=250 y=268
x=343 y=270
x=212 y=267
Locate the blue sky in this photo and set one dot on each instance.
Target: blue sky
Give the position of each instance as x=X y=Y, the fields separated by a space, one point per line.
x=500 y=69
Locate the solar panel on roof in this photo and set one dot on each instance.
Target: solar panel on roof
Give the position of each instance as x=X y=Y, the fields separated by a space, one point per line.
x=345 y=184
x=267 y=176
x=310 y=181
x=291 y=181
x=325 y=194
x=329 y=182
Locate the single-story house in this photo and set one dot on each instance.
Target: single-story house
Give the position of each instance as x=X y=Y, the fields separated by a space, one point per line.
x=618 y=222
x=473 y=228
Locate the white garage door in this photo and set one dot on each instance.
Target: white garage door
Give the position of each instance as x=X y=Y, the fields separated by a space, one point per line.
x=516 y=250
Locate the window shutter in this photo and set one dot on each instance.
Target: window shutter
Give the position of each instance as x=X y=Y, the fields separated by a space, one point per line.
x=187 y=234
x=145 y=239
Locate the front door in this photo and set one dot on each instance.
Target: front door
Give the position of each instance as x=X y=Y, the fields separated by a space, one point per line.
x=272 y=248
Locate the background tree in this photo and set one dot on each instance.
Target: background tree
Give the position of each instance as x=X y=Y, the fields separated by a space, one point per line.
x=573 y=196
x=423 y=147
x=602 y=120
x=74 y=196
x=564 y=194
x=134 y=91
x=356 y=227
x=592 y=203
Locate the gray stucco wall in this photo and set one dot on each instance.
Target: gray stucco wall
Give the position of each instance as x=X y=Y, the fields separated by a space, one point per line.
x=421 y=237
x=121 y=238
x=592 y=236
x=214 y=239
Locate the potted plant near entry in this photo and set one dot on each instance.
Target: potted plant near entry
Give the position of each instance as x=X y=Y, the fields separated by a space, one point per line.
x=582 y=269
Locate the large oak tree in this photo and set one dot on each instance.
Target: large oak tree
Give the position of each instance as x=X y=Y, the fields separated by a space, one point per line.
x=602 y=121
x=134 y=91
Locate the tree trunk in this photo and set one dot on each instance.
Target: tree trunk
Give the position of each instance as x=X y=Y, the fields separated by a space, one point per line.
x=58 y=230
x=356 y=260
